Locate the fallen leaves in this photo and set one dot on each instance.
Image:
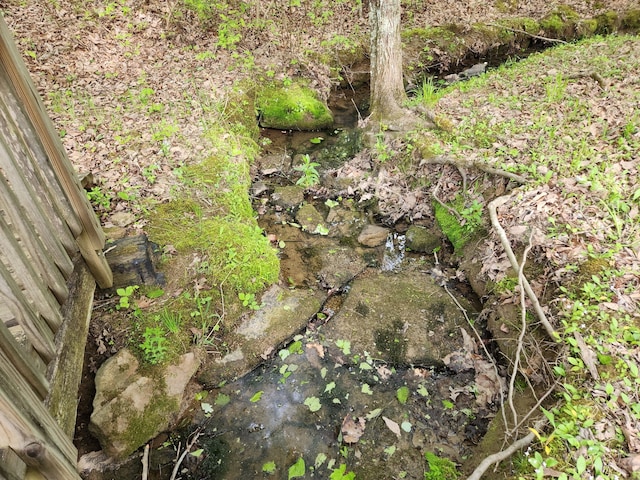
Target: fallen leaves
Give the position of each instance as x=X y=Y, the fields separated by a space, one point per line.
x=352 y=429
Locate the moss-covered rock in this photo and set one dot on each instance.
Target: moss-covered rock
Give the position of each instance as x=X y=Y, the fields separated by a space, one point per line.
x=130 y=407
x=293 y=107
x=631 y=20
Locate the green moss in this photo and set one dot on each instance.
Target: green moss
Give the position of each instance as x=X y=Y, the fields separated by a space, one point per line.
x=457 y=233
x=143 y=426
x=392 y=343
x=607 y=22
x=631 y=20
x=292 y=107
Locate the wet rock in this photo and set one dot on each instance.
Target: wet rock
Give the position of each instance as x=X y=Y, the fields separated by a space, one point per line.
x=339 y=266
x=311 y=220
x=295 y=107
x=288 y=197
x=402 y=318
x=421 y=239
x=283 y=313
x=345 y=222
x=373 y=236
x=275 y=163
x=130 y=408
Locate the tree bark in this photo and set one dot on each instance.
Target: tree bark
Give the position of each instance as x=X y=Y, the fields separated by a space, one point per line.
x=387 y=86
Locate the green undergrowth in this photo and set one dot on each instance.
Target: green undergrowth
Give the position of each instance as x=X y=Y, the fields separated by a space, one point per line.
x=564 y=120
x=460 y=222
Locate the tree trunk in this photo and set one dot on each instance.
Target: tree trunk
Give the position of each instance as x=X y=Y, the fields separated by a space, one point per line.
x=387 y=87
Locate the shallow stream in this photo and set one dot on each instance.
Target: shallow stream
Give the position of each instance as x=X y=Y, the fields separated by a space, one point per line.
x=321 y=399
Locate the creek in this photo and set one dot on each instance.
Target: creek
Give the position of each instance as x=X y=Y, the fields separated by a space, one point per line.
x=364 y=382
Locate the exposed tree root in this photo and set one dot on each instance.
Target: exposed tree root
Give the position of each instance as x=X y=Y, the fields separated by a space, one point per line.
x=506 y=453
x=493 y=214
x=462 y=165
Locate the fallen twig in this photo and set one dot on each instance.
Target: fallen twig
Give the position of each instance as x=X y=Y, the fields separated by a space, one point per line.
x=595 y=75
x=493 y=214
x=523 y=329
x=506 y=453
x=145 y=462
x=187 y=449
x=516 y=30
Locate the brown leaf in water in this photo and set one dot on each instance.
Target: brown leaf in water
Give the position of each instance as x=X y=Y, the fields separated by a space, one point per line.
x=393 y=426
x=351 y=429
x=317 y=347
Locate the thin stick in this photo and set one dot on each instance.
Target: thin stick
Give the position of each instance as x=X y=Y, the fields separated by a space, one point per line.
x=493 y=213
x=145 y=462
x=187 y=449
x=506 y=453
x=546 y=39
x=523 y=329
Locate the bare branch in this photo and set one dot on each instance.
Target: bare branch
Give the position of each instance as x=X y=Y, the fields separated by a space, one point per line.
x=539 y=37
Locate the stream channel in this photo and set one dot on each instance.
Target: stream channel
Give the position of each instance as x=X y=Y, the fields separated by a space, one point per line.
x=386 y=370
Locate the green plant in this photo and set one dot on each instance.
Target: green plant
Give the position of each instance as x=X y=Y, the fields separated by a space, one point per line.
x=99 y=199
x=383 y=152
x=249 y=300
x=310 y=175
x=439 y=468
x=171 y=320
x=472 y=216
x=125 y=295
x=341 y=473
x=153 y=347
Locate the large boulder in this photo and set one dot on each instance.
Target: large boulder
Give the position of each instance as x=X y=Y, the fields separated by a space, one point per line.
x=130 y=407
x=293 y=107
x=403 y=318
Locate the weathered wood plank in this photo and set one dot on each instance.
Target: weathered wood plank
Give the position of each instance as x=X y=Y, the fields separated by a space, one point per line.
x=65 y=372
x=27 y=92
x=31 y=209
x=30 y=430
x=29 y=280
x=11 y=466
x=35 y=328
x=33 y=373
x=20 y=135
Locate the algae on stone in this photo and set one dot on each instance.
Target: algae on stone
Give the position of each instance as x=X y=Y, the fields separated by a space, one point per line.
x=293 y=107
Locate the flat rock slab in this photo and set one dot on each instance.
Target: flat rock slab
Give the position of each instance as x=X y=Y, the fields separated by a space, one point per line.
x=283 y=313
x=402 y=318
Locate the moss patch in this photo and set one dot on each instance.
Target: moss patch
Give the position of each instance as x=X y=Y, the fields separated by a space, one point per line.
x=294 y=107
x=457 y=234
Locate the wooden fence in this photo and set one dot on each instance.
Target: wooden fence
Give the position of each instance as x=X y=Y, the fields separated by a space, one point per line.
x=50 y=260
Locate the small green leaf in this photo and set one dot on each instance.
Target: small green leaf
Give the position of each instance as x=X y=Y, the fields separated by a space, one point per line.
x=402 y=394
x=320 y=459
x=331 y=203
x=256 y=397
x=422 y=390
x=197 y=453
x=345 y=346
x=330 y=386
x=321 y=230
x=313 y=403
x=269 y=467
x=206 y=407
x=323 y=372
x=365 y=366
x=284 y=353
x=406 y=426
x=156 y=293
x=298 y=469
x=366 y=389
x=390 y=450
x=316 y=140
x=373 y=414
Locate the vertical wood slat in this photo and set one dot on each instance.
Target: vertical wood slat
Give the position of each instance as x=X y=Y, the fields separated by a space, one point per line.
x=32 y=161
x=32 y=373
x=33 y=286
x=26 y=199
x=34 y=435
x=35 y=328
x=94 y=238
x=11 y=466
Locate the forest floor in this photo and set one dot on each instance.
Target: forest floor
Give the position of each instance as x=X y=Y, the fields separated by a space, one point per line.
x=130 y=85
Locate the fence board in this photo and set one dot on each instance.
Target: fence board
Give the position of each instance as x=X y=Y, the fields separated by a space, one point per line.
x=35 y=328
x=32 y=433
x=32 y=284
x=11 y=467
x=18 y=189
x=34 y=164
x=32 y=372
